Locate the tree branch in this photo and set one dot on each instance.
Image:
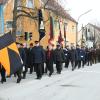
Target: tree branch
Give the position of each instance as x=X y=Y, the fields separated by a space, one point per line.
x=46 y=3
x=20 y=11
x=20 y=15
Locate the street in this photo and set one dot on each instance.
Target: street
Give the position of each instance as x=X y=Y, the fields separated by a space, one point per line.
x=82 y=84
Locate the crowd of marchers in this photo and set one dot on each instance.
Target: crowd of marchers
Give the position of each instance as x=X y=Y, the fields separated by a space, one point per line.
x=35 y=58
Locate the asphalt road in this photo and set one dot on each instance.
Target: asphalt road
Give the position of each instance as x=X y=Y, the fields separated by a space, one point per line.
x=82 y=84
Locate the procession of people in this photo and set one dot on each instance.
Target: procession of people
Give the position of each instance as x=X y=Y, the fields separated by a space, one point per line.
x=41 y=61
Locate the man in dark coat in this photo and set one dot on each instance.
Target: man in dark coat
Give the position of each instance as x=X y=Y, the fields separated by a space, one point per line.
x=82 y=57
x=59 y=58
x=77 y=57
x=49 y=60
x=73 y=57
x=67 y=56
x=24 y=53
x=38 y=58
x=30 y=58
x=23 y=57
x=89 y=56
x=94 y=55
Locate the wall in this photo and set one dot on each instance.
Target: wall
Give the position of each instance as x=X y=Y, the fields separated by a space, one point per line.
x=30 y=25
x=71 y=33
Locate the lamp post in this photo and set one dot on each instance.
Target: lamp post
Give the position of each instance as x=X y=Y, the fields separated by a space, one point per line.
x=77 y=24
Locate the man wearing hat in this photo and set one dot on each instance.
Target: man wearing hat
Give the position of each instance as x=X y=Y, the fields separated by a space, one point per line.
x=66 y=51
x=23 y=57
x=59 y=58
x=30 y=58
x=38 y=58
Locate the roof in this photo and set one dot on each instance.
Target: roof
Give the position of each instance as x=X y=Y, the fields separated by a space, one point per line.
x=54 y=6
x=96 y=27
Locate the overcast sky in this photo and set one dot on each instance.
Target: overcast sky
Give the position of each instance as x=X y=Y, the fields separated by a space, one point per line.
x=78 y=7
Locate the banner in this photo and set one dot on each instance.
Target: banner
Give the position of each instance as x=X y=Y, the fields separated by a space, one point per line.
x=51 y=31
x=60 y=39
x=9 y=55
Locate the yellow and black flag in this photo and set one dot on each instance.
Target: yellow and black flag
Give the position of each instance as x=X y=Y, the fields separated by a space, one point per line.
x=9 y=54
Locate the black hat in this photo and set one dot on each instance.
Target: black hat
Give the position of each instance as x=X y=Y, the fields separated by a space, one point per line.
x=17 y=43
x=36 y=41
x=58 y=45
x=21 y=44
x=77 y=45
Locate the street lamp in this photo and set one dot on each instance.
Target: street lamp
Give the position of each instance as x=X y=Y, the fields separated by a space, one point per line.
x=77 y=24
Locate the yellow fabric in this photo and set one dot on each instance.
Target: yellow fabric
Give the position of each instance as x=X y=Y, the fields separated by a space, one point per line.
x=4 y=60
x=14 y=47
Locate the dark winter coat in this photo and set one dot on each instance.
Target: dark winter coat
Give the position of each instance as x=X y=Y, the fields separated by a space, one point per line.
x=29 y=57
x=88 y=55
x=38 y=54
x=51 y=58
x=94 y=54
x=22 y=55
x=72 y=54
x=59 y=55
x=66 y=53
x=77 y=54
x=82 y=55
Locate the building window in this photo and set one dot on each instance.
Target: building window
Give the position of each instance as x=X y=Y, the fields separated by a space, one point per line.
x=30 y=3
x=9 y=24
x=73 y=29
x=66 y=27
x=27 y=3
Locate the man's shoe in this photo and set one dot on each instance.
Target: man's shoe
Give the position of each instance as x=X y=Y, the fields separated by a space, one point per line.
x=24 y=75
x=50 y=74
x=72 y=69
x=38 y=77
x=3 y=80
x=18 y=80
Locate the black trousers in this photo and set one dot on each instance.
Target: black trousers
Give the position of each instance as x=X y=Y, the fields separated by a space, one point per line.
x=66 y=63
x=89 y=62
x=18 y=73
x=3 y=73
x=73 y=64
x=59 y=66
x=38 y=67
x=76 y=63
x=81 y=63
x=42 y=65
x=49 y=67
x=31 y=68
